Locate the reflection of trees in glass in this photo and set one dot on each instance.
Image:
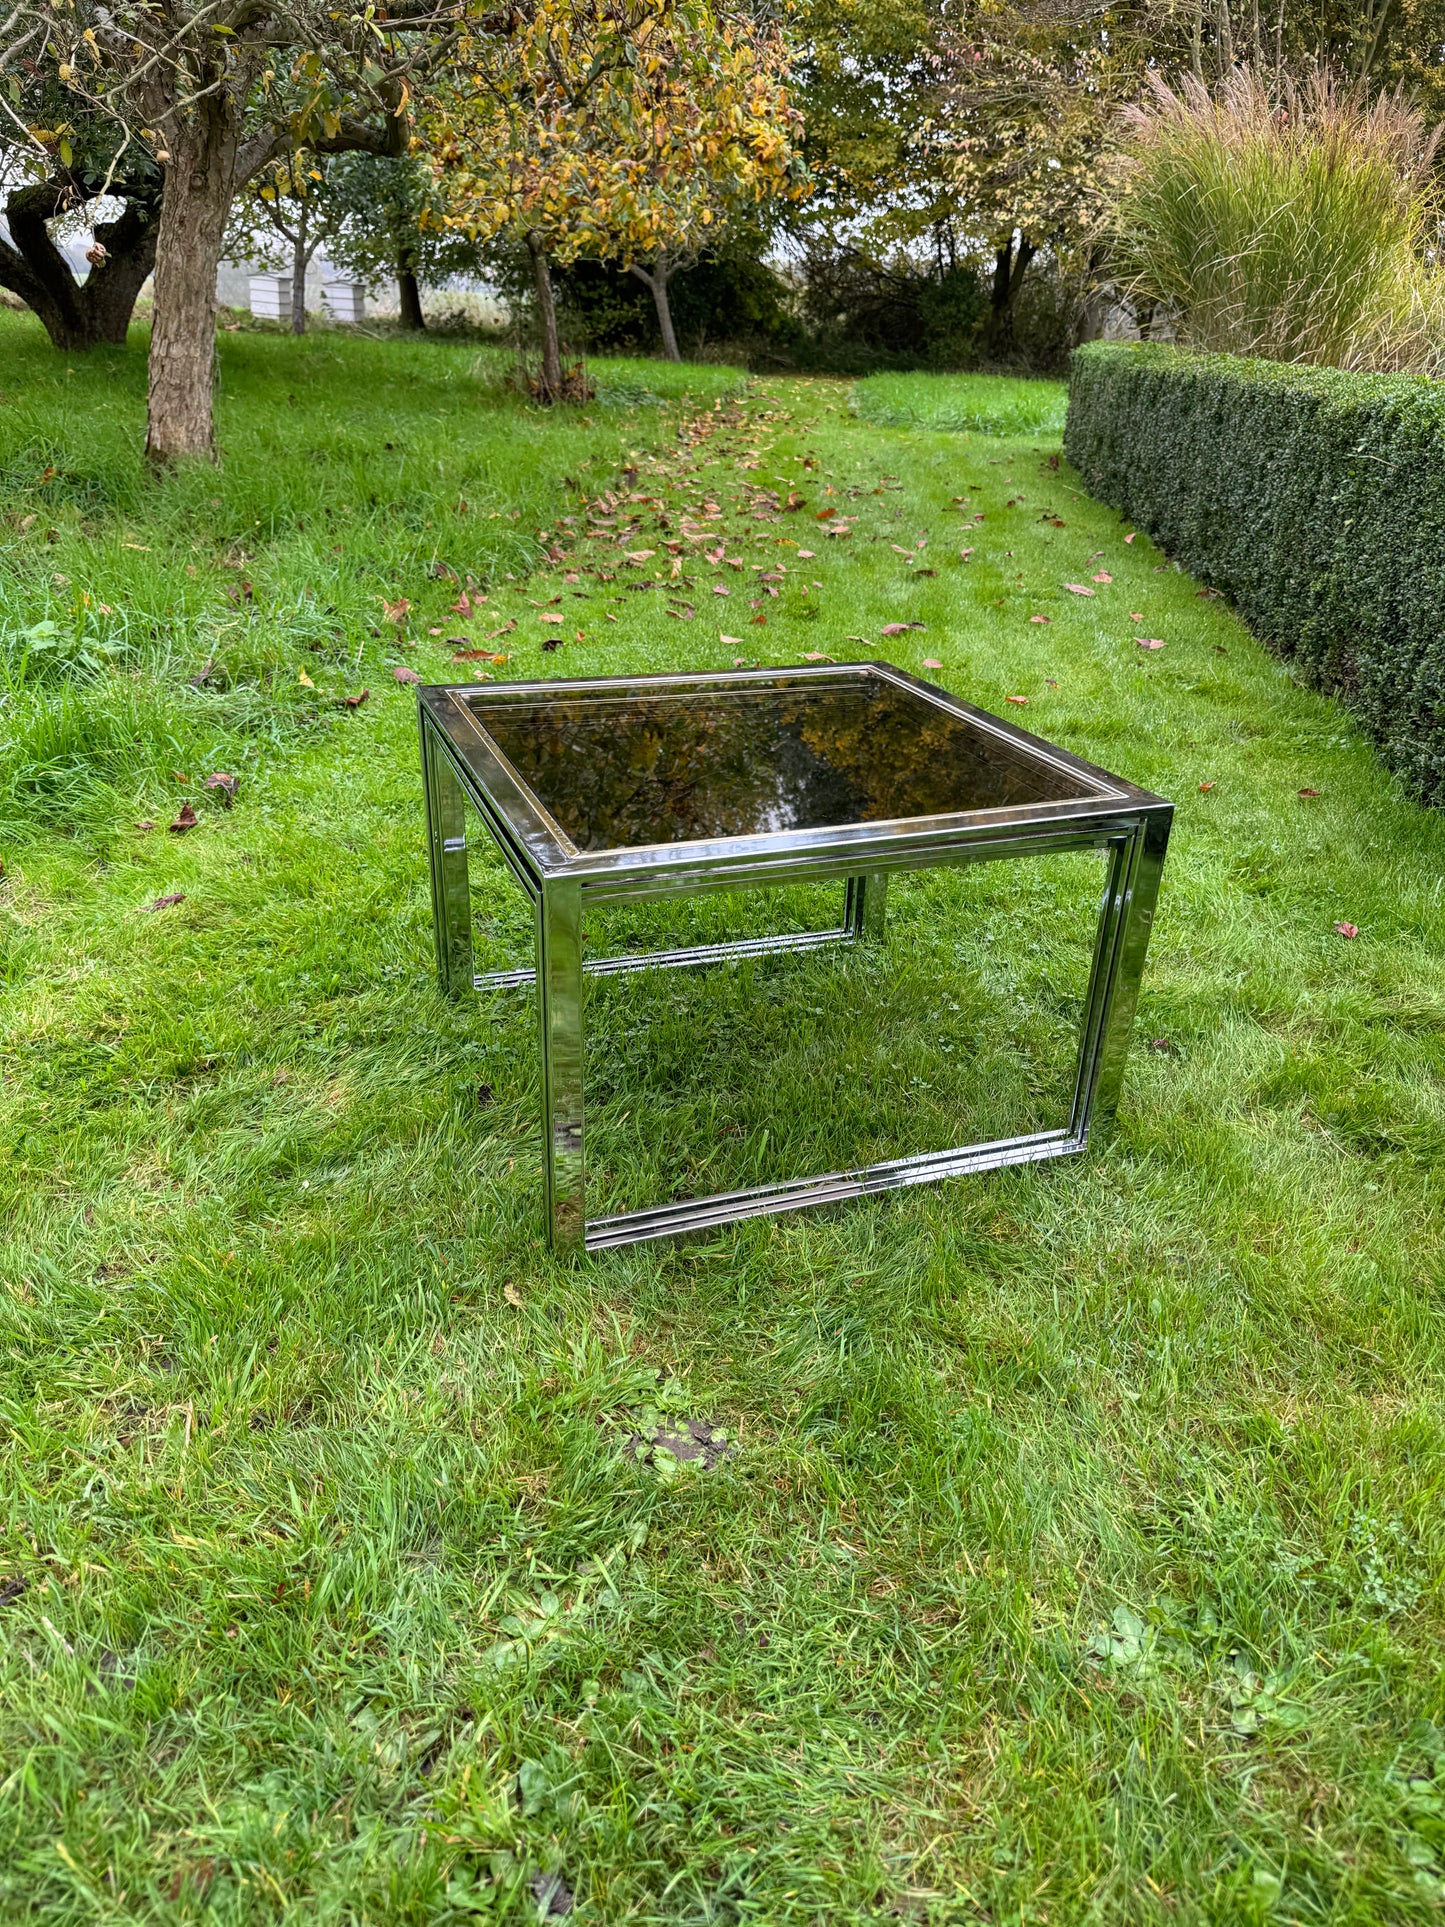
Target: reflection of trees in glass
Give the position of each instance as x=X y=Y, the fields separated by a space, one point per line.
x=631 y=770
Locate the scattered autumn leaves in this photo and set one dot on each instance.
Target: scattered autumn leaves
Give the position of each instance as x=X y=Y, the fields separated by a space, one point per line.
x=220 y=781
x=662 y=516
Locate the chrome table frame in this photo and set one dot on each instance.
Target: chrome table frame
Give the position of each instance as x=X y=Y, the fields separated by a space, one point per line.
x=462 y=764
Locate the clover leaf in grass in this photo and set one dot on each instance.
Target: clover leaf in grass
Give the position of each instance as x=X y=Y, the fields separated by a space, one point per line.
x=1124 y=1641
x=1256 y=1704
x=1130 y=1642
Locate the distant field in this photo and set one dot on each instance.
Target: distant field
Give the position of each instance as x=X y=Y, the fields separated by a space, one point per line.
x=986 y=404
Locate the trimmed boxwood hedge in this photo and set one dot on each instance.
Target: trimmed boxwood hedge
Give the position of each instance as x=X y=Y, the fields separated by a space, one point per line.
x=1313 y=498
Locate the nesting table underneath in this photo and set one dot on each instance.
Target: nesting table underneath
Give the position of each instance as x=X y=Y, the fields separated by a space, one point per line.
x=600 y=789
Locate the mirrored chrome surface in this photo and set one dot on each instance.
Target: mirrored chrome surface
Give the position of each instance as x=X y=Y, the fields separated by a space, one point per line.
x=619 y=771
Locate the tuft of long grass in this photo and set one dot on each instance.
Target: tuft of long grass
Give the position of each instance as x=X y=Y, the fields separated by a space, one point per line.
x=962 y=404
x=1285 y=221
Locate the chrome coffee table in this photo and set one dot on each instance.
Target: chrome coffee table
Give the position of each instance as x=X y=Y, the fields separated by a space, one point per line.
x=607 y=788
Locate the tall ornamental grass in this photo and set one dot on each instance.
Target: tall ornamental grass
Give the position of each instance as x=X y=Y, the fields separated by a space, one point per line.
x=1287 y=221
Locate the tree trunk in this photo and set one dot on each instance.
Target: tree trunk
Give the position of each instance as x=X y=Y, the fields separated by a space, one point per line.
x=300 y=260
x=546 y=317
x=1367 y=60
x=199 y=182
x=409 y=299
x=657 y=279
x=78 y=315
x=1010 y=265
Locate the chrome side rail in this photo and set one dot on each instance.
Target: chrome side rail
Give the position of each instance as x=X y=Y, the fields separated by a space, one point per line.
x=701 y=1214
x=705 y=953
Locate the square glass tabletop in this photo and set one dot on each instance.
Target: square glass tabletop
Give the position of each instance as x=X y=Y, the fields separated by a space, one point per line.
x=618 y=765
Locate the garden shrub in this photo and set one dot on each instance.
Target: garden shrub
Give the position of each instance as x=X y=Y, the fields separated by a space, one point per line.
x=1296 y=222
x=1314 y=498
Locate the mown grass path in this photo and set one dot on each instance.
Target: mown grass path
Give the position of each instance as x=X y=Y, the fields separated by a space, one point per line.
x=1077 y=1555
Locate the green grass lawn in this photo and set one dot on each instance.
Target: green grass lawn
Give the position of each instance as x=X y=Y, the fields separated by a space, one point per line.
x=1077 y=1557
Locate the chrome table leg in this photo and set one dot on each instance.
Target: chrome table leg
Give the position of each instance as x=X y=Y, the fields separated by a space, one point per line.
x=451 y=894
x=559 y=1015
x=865 y=907
x=1134 y=888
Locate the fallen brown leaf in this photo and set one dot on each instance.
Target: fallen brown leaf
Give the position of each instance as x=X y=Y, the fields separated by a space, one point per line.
x=1022 y=701
x=405 y=674
x=1103 y=576
x=512 y=1295
x=1040 y=618
x=355 y=702
x=1150 y=642
x=1309 y=792
x=899 y=628
x=165 y=903
x=816 y=655
x=227 y=785
x=395 y=611
x=1347 y=929
x=932 y=662
x=1128 y=538
x=185 y=820
x=1204 y=788
x=1078 y=588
